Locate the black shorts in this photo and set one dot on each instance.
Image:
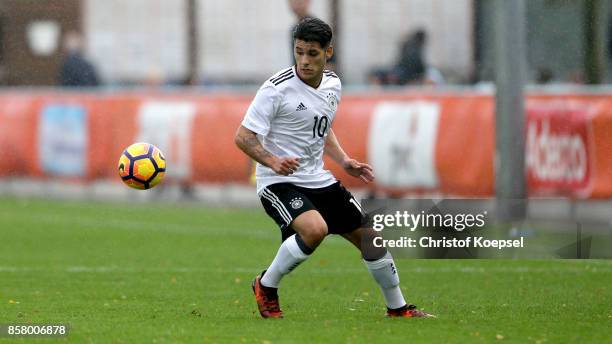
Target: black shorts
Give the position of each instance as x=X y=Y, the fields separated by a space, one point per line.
x=284 y=202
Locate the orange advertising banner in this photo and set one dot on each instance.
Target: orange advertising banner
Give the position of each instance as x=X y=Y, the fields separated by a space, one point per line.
x=422 y=142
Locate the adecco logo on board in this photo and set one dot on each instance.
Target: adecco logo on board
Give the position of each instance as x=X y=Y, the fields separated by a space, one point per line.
x=558 y=148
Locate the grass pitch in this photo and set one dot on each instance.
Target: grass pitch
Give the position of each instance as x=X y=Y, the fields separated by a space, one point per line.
x=120 y=273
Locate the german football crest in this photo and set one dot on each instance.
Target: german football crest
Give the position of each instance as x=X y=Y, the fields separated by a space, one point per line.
x=297 y=203
x=332 y=101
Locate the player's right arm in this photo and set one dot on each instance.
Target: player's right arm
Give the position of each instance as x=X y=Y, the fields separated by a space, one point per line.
x=248 y=142
x=257 y=120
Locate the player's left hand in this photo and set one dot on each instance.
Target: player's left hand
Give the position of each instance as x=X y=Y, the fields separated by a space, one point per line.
x=359 y=170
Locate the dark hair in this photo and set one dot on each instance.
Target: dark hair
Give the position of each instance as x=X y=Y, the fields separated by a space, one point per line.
x=313 y=30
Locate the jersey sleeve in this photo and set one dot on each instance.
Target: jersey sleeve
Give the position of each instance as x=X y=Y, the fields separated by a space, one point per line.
x=262 y=109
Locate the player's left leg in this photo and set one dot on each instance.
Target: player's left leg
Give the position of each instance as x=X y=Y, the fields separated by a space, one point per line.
x=382 y=268
x=344 y=216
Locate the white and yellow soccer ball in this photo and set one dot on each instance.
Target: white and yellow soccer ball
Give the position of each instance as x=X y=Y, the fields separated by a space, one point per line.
x=142 y=166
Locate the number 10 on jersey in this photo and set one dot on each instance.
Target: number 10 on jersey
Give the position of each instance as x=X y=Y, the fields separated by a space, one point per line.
x=320 y=126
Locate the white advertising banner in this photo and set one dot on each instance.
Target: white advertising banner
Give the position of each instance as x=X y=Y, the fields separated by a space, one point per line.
x=167 y=125
x=401 y=145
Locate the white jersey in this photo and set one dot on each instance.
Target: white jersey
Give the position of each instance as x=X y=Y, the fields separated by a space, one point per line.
x=292 y=119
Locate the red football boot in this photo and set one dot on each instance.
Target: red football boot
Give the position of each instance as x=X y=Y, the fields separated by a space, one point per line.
x=408 y=311
x=267 y=300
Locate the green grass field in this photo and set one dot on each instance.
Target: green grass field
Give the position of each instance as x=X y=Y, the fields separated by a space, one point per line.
x=121 y=273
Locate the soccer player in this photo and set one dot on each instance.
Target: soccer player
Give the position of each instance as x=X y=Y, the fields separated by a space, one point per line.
x=287 y=129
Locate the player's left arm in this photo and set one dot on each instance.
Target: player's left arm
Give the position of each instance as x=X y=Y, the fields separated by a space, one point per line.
x=353 y=167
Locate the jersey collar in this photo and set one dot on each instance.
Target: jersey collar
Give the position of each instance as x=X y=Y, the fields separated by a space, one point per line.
x=302 y=81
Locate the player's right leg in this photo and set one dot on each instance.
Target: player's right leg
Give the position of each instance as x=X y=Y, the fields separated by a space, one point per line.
x=303 y=230
x=310 y=230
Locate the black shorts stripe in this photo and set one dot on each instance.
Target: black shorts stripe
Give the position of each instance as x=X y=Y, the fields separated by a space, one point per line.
x=281 y=215
x=278 y=205
x=281 y=207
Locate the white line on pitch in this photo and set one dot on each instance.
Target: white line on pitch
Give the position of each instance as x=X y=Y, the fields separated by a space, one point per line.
x=425 y=270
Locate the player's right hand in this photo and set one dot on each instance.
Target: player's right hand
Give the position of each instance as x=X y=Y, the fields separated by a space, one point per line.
x=285 y=165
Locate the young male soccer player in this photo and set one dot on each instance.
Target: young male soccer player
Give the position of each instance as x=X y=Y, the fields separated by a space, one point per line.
x=292 y=113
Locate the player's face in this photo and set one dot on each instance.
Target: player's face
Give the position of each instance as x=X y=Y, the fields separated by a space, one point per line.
x=310 y=59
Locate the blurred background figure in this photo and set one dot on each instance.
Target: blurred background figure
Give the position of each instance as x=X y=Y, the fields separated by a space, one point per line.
x=301 y=10
x=544 y=76
x=75 y=69
x=410 y=67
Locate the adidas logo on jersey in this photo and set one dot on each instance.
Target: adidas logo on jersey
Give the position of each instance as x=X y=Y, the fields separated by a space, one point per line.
x=301 y=107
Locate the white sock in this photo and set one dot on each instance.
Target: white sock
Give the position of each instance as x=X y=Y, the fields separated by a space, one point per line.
x=384 y=272
x=288 y=257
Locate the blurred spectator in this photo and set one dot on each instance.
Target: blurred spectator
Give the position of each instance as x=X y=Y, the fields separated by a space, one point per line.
x=75 y=69
x=301 y=10
x=410 y=67
x=154 y=78
x=576 y=77
x=544 y=76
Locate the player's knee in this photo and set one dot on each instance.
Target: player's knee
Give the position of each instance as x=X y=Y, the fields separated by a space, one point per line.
x=311 y=227
x=314 y=232
x=372 y=252
x=369 y=251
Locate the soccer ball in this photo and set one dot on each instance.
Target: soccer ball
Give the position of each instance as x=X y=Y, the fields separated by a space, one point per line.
x=142 y=166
